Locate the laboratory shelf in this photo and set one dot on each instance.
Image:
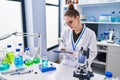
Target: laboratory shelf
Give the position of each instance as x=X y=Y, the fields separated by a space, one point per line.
x=99 y=62
x=98 y=4
x=100 y=22
x=102 y=51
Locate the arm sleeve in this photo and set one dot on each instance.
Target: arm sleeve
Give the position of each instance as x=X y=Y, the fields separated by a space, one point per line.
x=93 y=49
x=62 y=42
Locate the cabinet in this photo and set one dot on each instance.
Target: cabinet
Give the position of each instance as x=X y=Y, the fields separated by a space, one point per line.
x=113 y=60
x=100 y=62
x=108 y=58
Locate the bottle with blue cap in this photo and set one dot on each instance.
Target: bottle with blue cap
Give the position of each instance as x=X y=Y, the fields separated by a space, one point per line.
x=18 y=60
x=9 y=55
x=108 y=76
x=21 y=48
x=44 y=61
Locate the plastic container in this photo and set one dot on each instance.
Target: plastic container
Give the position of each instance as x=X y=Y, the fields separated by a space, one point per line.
x=18 y=60
x=118 y=17
x=108 y=76
x=102 y=37
x=113 y=17
x=44 y=61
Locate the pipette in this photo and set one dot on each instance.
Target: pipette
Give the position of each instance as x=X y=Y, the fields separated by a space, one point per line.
x=24 y=72
x=15 y=70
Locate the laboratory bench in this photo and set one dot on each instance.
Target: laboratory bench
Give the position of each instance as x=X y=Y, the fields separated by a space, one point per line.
x=62 y=72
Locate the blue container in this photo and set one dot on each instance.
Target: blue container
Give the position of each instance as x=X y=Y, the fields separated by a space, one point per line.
x=113 y=17
x=18 y=60
x=44 y=62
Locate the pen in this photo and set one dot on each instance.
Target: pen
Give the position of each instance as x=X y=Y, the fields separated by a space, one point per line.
x=15 y=70
x=20 y=73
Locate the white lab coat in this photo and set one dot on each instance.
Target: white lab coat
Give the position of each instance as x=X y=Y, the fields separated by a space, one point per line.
x=87 y=39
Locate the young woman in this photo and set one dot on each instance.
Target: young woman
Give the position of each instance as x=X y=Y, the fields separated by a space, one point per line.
x=77 y=36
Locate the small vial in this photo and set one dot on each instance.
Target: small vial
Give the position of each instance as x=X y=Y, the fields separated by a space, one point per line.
x=44 y=61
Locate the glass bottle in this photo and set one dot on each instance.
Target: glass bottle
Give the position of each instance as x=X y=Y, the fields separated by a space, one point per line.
x=18 y=60
x=27 y=54
x=9 y=54
x=27 y=57
x=44 y=61
x=113 y=17
x=20 y=46
x=118 y=17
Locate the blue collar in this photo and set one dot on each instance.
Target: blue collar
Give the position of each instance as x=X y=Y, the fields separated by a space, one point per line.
x=74 y=45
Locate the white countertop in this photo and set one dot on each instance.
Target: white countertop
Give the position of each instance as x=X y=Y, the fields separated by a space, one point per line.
x=104 y=42
x=61 y=73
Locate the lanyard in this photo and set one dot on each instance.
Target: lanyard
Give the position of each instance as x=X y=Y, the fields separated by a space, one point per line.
x=76 y=43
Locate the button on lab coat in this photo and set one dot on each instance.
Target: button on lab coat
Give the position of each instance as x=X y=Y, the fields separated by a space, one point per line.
x=87 y=39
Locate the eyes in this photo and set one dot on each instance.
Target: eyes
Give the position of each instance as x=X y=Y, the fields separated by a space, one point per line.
x=69 y=22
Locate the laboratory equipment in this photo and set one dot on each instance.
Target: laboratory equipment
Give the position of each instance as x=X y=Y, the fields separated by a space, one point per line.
x=18 y=60
x=111 y=33
x=44 y=61
x=20 y=46
x=118 y=17
x=104 y=18
x=108 y=76
x=101 y=37
x=38 y=35
x=9 y=54
x=23 y=72
x=48 y=69
x=4 y=67
x=106 y=35
x=27 y=57
x=28 y=62
x=51 y=68
x=113 y=17
x=36 y=60
x=118 y=42
x=82 y=72
x=14 y=70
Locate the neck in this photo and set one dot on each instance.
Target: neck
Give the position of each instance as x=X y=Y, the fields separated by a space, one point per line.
x=78 y=28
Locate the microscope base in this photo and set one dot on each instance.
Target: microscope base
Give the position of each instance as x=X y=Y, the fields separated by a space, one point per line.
x=83 y=77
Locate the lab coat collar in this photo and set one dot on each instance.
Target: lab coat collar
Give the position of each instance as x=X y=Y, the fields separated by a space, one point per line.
x=74 y=45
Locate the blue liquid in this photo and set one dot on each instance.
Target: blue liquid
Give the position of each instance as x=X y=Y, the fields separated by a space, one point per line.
x=18 y=61
x=44 y=63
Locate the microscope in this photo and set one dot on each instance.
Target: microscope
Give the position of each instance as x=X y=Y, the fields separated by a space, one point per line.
x=82 y=72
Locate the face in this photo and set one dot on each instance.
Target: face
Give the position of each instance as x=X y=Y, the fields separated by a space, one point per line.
x=72 y=22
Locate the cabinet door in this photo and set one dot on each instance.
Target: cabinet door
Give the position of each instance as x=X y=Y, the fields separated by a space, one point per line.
x=113 y=59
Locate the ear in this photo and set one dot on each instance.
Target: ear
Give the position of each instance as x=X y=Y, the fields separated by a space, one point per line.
x=77 y=17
